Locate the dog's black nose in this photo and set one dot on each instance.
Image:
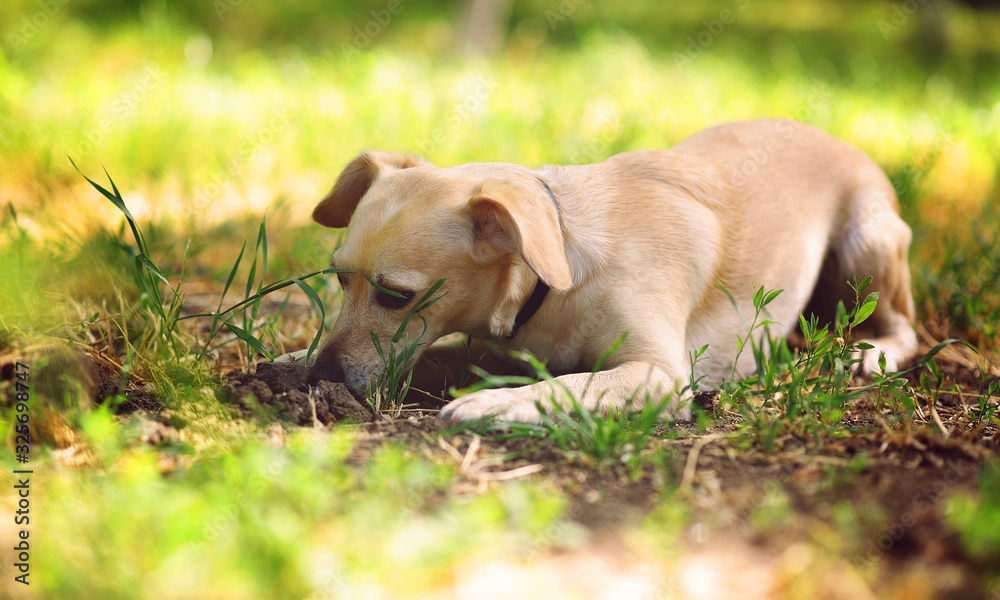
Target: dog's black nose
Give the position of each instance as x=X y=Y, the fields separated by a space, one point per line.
x=325 y=370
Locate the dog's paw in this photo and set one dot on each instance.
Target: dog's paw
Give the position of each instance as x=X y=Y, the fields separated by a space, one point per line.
x=504 y=405
x=870 y=358
x=299 y=356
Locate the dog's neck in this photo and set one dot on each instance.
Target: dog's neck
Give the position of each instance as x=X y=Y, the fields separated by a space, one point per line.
x=585 y=236
x=530 y=307
x=586 y=245
x=541 y=290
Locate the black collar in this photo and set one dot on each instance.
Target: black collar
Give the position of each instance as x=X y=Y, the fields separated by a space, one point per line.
x=541 y=288
x=530 y=307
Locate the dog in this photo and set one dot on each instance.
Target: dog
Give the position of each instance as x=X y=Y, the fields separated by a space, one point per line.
x=563 y=260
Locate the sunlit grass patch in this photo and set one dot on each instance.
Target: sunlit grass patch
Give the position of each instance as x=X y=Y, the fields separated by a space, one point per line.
x=270 y=521
x=978 y=518
x=958 y=278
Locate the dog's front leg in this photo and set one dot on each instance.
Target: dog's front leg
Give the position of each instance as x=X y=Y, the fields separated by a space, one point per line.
x=631 y=384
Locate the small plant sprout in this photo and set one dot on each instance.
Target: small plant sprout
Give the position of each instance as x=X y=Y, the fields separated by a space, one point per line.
x=694 y=357
x=760 y=301
x=810 y=390
x=988 y=398
x=615 y=437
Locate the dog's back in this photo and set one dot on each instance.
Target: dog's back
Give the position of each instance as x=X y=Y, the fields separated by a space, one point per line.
x=770 y=203
x=807 y=212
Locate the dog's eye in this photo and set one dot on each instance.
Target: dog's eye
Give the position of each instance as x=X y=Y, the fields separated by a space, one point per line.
x=393 y=302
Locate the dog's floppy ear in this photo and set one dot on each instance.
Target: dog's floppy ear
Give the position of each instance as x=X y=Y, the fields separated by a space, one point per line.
x=509 y=217
x=336 y=209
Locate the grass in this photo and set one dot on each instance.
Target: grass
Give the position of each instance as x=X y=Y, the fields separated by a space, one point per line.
x=961 y=291
x=261 y=521
x=978 y=517
x=803 y=392
x=619 y=438
x=386 y=394
x=164 y=335
x=210 y=120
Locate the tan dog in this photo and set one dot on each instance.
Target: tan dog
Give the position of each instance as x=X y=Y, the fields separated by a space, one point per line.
x=561 y=261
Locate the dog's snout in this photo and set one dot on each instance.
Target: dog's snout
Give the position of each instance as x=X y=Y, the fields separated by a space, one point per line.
x=326 y=370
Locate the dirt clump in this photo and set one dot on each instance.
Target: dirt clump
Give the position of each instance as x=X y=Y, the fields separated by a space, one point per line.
x=282 y=376
x=280 y=390
x=107 y=382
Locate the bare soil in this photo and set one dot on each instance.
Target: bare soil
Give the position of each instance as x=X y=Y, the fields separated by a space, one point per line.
x=880 y=490
x=280 y=391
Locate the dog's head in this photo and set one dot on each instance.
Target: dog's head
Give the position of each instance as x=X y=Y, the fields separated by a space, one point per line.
x=490 y=230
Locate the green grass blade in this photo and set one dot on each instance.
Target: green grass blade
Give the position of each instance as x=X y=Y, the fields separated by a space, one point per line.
x=318 y=303
x=771 y=296
x=250 y=340
x=151 y=266
x=607 y=353
x=378 y=346
x=384 y=290
x=262 y=243
x=114 y=188
x=119 y=202
x=273 y=287
x=251 y=276
x=732 y=299
x=232 y=274
x=420 y=305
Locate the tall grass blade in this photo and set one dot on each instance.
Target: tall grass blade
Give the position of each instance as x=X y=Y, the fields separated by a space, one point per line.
x=318 y=304
x=249 y=339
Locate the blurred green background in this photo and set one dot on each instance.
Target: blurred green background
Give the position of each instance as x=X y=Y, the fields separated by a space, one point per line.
x=216 y=107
